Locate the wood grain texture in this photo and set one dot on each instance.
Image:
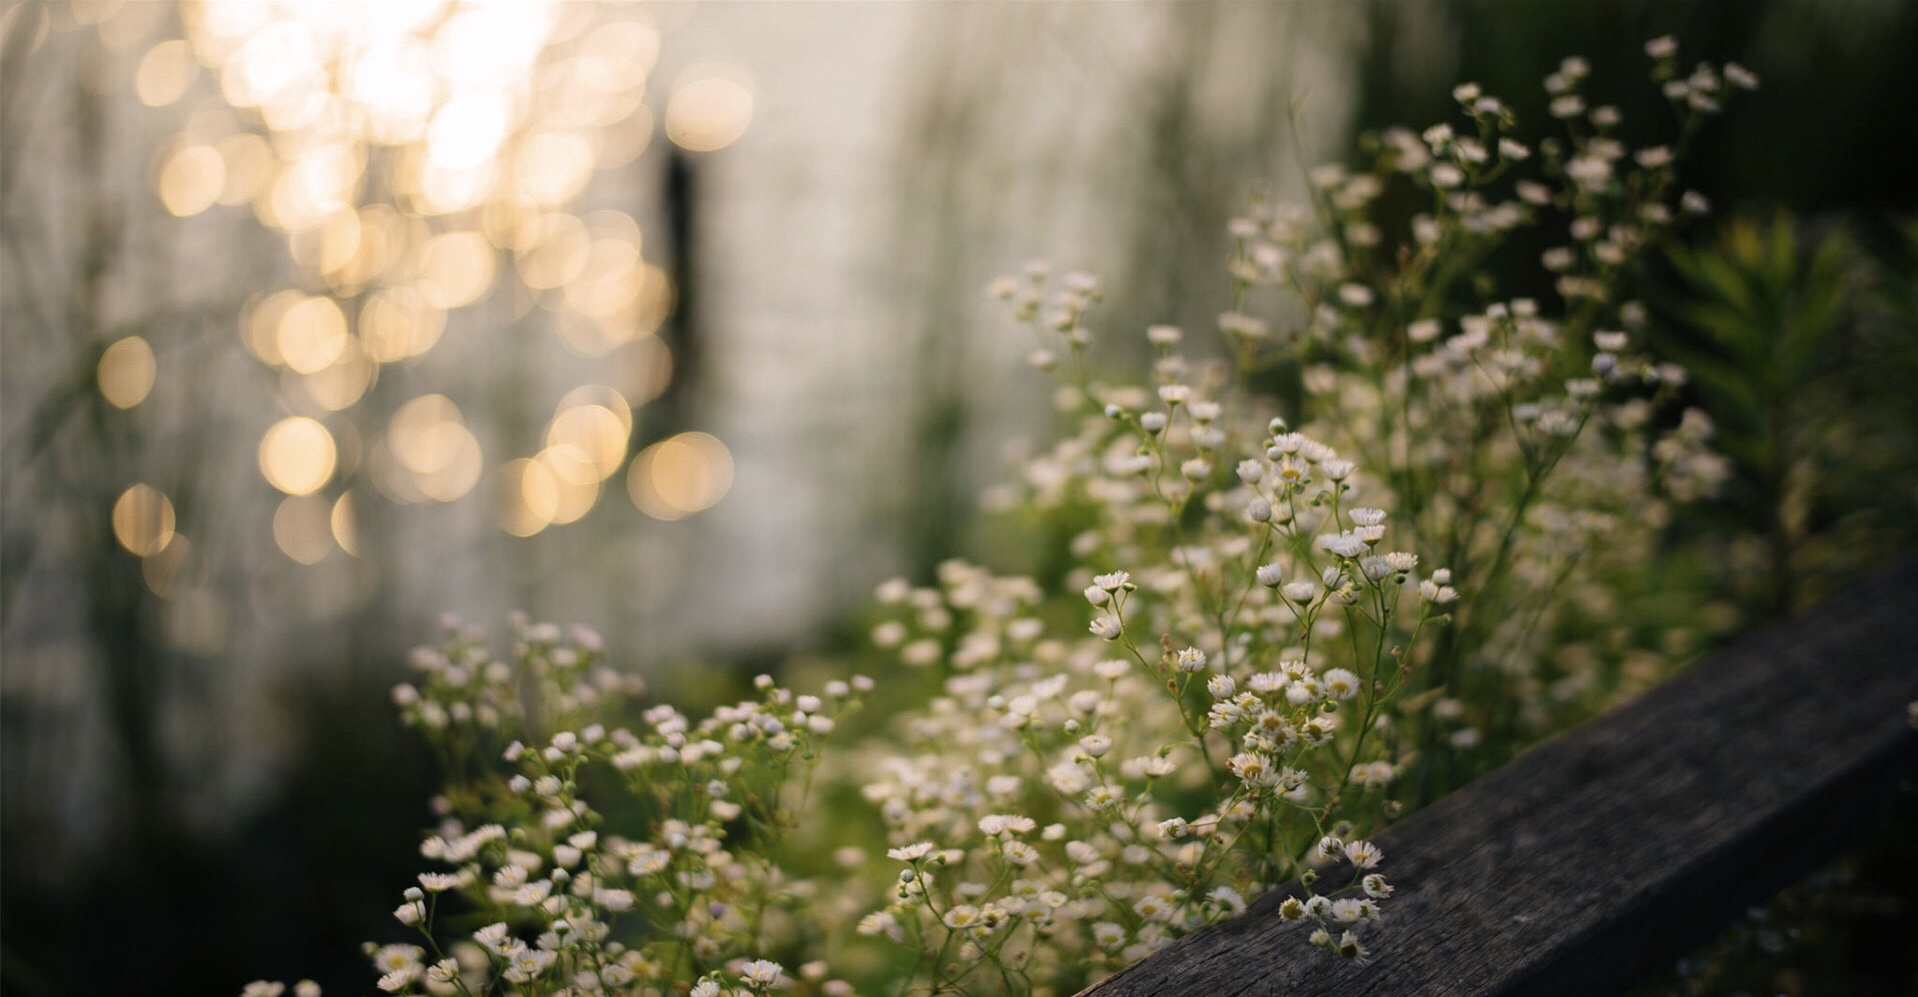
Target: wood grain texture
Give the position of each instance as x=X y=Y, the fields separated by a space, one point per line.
x=1603 y=855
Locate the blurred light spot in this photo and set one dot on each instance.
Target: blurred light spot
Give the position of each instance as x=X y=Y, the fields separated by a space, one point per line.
x=552 y=167
x=425 y=433
x=442 y=191
x=397 y=323
x=491 y=46
x=393 y=81
x=680 y=476
x=610 y=280
x=595 y=432
x=576 y=480
x=143 y=520
x=429 y=438
x=345 y=523
x=467 y=131
x=382 y=237
x=297 y=455
x=162 y=569
x=317 y=184
x=624 y=140
x=528 y=497
x=344 y=381
x=610 y=224
x=605 y=397
x=639 y=305
x=302 y=528
x=558 y=253
x=459 y=475
x=312 y=335
x=126 y=372
x=710 y=107
x=617 y=56
x=391 y=478
x=260 y=325
x=339 y=241
x=456 y=268
x=295 y=108
x=278 y=57
x=510 y=225
x=165 y=72
x=249 y=167
x=191 y=180
x=197 y=622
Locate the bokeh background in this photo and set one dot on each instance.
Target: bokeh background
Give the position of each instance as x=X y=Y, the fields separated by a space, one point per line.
x=322 y=319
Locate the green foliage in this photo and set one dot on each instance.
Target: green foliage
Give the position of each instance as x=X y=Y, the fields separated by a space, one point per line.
x=1802 y=350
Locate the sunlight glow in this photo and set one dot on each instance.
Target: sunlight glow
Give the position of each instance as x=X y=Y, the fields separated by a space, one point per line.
x=143 y=520
x=126 y=372
x=680 y=476
x=297 y=455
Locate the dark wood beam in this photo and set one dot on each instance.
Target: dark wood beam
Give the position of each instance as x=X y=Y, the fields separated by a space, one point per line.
x=1601 y=856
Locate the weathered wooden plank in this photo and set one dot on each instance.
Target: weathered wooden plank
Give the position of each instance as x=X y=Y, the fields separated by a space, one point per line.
x=1605 y=854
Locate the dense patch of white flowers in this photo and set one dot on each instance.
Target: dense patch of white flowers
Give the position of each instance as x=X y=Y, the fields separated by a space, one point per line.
x=1297 y=575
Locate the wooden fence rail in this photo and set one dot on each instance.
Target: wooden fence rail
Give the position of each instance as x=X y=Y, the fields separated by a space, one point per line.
x=1600 y=857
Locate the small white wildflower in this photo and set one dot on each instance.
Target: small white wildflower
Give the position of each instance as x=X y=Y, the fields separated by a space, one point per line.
x=1153 y=907
x=910 y=853
x=1662 y=47
x=1363 y=854
x=1163 y=335
x=1340 y=684
x=1190 y=660
x=961 y=916
x=1270 y=575
x=1106 y=627
x=1096 y=745
x=764 y=972
x=1342 y=544
x=1347 y=910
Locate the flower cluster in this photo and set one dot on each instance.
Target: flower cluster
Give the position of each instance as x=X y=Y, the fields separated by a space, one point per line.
x=682 y=879
x=1532 y=444
x=1281 y=594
